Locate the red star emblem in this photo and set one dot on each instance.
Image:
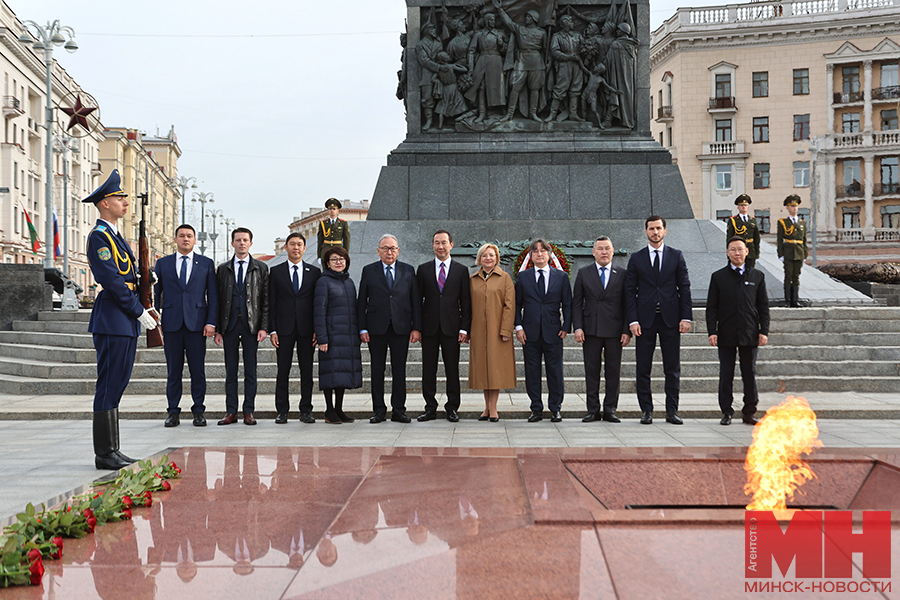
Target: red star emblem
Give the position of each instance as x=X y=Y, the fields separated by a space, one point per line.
x=78 y=114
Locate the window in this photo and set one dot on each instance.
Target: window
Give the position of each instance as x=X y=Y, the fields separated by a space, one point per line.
x=16 y=175
x=723 y=177
x=760 y=175
x=671 y=137
x=760 y=129
x=801 y=173
x=723 y=85
x=803 y=213
x=801 y=127
x=762 y=220
x=661 y=139
x=761 y=84
x=651 y=102
x=801 y=82
x=850 y=122
x=851 y=217
x=723 y=215
x=890 y=183
x=889 y=120
x=850 y=86
x=889 y=75
x=890 y=216
x=723 y=130
x=852 y=186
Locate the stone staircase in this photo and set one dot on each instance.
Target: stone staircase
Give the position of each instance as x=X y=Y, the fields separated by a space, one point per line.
x=827 y=349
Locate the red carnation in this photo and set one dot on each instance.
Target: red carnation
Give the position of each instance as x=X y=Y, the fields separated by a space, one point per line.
x=58 y=542
x=126 y=513
x=127 y=501
x=36 y=567
x=166 y=485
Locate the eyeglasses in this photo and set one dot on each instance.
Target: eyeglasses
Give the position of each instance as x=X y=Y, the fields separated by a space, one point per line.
x=337 y=259
x=388 y=248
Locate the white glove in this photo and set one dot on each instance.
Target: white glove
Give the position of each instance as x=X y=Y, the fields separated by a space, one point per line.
x=782 y=258
x=147 y=320
x=153 y=278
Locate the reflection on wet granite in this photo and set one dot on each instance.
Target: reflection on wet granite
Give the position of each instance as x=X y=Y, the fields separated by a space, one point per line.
x=467 y=523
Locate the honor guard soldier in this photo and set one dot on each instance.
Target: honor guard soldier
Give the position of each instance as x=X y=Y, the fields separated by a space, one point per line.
x=744 y=226
x=333 y=231
x=114 y=318
x=792 y=249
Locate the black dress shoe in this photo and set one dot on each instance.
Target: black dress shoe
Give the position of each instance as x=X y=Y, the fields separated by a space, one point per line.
x=726 y=420
x=591 y=417
x=110 y=462
x=494 y=419
x=199 y=420
x=399 y=417
x=610 y=417
x=124 y=458
x=749 y=419
x=281 y=418
x=647 y=418
x=428 y=415
x=535 y=416
x=173 y=420
x=555 y=416
x=674 y=419
x=228 y=419
x=452 y=416
x=306 y=417
x=377 y=418
x=483 y=417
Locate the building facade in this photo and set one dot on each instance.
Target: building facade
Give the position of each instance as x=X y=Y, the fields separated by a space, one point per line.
x=22 y=157
x=755 y=98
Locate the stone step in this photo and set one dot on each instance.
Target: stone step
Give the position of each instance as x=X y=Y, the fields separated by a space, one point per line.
x=65 y=315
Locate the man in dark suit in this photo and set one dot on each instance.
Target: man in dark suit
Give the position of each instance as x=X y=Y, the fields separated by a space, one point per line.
x=658 y=303
x=292 y=287
x=186 y=293
x=737 y=320
x=389 y=315
x=541 y=294
x=598 y=315
x=243 y=286
x=446 y=318
x=115 y=317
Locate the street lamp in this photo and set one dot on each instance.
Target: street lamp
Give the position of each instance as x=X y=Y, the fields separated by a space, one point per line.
x=65 y=144
x=185 y=183
x=229 y=227
x=814 y=145
x=214 y=214
x=45 y=38
x=202 y=198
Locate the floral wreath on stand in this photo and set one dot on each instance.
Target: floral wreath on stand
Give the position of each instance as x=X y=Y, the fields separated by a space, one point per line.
x=558 y=259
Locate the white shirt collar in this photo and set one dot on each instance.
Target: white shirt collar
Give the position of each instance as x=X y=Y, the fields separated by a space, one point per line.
x=189 y=255
x=437 y=263
x=112 y=226
x=652 y=249
x=298 y=264
x=237 y=260
x=385 y=266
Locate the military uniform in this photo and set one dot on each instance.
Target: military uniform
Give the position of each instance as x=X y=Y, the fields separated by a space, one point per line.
x=747 y=229
x=332 y=233
x=793 y=250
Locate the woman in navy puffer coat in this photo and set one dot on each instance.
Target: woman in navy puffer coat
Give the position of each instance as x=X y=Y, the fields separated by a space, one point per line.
x=340 y=359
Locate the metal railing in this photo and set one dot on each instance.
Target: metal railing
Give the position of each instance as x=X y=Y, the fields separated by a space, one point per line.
x=722 y=102
x=886 y=189
x=840 y=98
x=854 y=190
x=890 y=92
x=664 y=112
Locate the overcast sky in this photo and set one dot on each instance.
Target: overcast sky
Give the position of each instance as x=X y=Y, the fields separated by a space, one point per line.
x=277 y=105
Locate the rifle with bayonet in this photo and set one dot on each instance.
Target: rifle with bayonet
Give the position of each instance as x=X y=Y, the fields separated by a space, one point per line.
x=145 y=282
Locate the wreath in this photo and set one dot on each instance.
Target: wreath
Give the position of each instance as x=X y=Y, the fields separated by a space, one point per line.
x=558 y=259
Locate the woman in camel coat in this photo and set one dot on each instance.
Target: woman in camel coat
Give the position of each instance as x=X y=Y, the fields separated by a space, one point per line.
x=492 y=362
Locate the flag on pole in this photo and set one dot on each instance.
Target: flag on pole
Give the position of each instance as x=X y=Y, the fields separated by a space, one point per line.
x=32 y=232
x=57 y=249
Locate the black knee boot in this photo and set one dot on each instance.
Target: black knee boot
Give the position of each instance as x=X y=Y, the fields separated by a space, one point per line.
x=788 y=294
x=106 y=441
x=339 y=405
x=331 y=415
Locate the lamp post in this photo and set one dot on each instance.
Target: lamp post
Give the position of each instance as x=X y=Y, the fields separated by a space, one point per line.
x=185 y=183
x=214 y=214
x=814 y=145
x=53 y=34
x=202 y=198
x=65 y=144
x=229 y=227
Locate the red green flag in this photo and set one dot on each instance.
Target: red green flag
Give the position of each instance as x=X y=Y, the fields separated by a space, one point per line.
x=32 y=232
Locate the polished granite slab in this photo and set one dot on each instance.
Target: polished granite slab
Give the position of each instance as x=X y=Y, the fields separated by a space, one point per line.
x=434 y=523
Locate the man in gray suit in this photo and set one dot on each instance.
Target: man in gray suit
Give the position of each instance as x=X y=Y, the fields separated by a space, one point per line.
x=598 y=315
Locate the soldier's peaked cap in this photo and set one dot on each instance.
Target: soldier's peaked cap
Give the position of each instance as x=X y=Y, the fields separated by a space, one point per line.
x=111 y=187
x=333 y=202
x=743 y=199
x=792 y=200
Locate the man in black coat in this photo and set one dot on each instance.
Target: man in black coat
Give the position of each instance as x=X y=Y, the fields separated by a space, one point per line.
x=658 y=303
x=292 y=286
x=598 y=315
x=389 y=315
x=737 y=319
x=243 y=284
x=446 y=318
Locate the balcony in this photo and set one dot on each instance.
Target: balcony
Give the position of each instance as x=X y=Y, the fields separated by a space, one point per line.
x=848 y=235
x=891 y=92
x=664 y=113
x=887 y=138
x=724 y=104
x=96 y=169
x=33 y=129
x=887 y=234
x=854 y=190
x=886 y=189
x=849 y=98
x=722 y=148
x=34 y=167
x=12 y=107
x=848 y=140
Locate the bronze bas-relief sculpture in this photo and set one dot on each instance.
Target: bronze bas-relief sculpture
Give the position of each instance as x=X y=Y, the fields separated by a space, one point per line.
x=495 y=66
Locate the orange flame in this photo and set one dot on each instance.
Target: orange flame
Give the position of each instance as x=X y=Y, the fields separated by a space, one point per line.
x=773 y=465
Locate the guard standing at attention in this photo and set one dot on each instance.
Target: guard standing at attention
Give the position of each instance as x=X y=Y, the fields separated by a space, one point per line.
x=333 y=231
x=114 y=318
x=792 y=249
x=744 y=226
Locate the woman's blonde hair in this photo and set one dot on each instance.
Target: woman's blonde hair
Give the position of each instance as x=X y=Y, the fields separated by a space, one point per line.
x=481 y=251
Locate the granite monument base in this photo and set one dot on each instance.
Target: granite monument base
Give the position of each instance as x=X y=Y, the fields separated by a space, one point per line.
x=23 y=292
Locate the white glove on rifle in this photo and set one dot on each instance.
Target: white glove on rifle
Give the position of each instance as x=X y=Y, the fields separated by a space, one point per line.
x=147 y=320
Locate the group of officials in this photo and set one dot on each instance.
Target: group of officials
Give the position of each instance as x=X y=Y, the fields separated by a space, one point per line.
x=300 y=307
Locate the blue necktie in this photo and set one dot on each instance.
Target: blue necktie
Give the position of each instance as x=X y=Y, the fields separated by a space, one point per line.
x=240 y=279
x=296 y=280
x=182 y=276
x=390 y=278
x=541 y=282
x=603 y=277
